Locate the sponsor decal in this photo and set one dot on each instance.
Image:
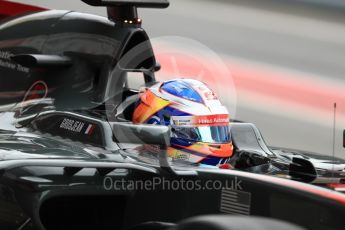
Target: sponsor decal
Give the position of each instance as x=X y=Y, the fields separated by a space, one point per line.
x=38 y=90
x=5 y=55
x=213 y=119
x=218 y=119
x=180 y=121
x=178 y=155
x=5 y=62
x=210 y=95
x=207 y=93
x=72 y=125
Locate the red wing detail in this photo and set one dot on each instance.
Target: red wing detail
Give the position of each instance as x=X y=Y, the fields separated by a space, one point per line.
x=8 y=9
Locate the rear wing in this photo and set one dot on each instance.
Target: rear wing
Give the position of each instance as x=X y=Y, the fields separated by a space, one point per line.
x=125 y=11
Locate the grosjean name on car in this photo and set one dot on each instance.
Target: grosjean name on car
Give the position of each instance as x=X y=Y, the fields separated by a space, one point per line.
x=72 y=125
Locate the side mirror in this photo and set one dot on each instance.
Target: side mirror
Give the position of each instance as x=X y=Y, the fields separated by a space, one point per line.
x=149 y=134
x=142 y=134
x=145 y=134
x=344 y=138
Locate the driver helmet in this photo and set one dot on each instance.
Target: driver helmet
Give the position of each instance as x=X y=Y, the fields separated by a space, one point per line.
x=200 y=131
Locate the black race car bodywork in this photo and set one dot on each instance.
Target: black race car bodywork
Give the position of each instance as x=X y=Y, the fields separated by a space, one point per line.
x=63 y=75
x=48 y=182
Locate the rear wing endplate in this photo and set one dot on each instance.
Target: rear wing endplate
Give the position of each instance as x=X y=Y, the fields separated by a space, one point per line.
x=136 y=3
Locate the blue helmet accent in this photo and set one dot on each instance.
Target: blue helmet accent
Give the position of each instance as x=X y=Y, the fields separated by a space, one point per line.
x=182 y=89
x=162 y=117
x=211 y=160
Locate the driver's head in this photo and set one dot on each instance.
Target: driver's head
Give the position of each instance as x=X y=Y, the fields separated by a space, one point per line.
x=199 y=122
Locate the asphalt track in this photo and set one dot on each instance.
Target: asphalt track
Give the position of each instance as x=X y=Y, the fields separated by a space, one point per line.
x=286 y=64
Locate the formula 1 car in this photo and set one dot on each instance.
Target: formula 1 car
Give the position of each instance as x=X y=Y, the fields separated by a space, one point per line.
x=67 y=159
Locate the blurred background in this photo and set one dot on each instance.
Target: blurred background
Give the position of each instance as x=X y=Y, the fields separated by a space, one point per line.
x=285 y=61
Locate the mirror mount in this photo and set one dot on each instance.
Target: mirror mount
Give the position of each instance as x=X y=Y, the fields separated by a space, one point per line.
x=149 y=74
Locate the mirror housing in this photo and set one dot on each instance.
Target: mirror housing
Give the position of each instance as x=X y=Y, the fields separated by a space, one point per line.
x=149 y=134
x=145 y=134
x=142 y=134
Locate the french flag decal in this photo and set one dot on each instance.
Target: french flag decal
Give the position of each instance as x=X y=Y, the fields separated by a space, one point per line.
x=90 y=129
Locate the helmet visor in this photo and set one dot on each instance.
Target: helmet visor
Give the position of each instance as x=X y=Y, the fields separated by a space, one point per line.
x=208 y=134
